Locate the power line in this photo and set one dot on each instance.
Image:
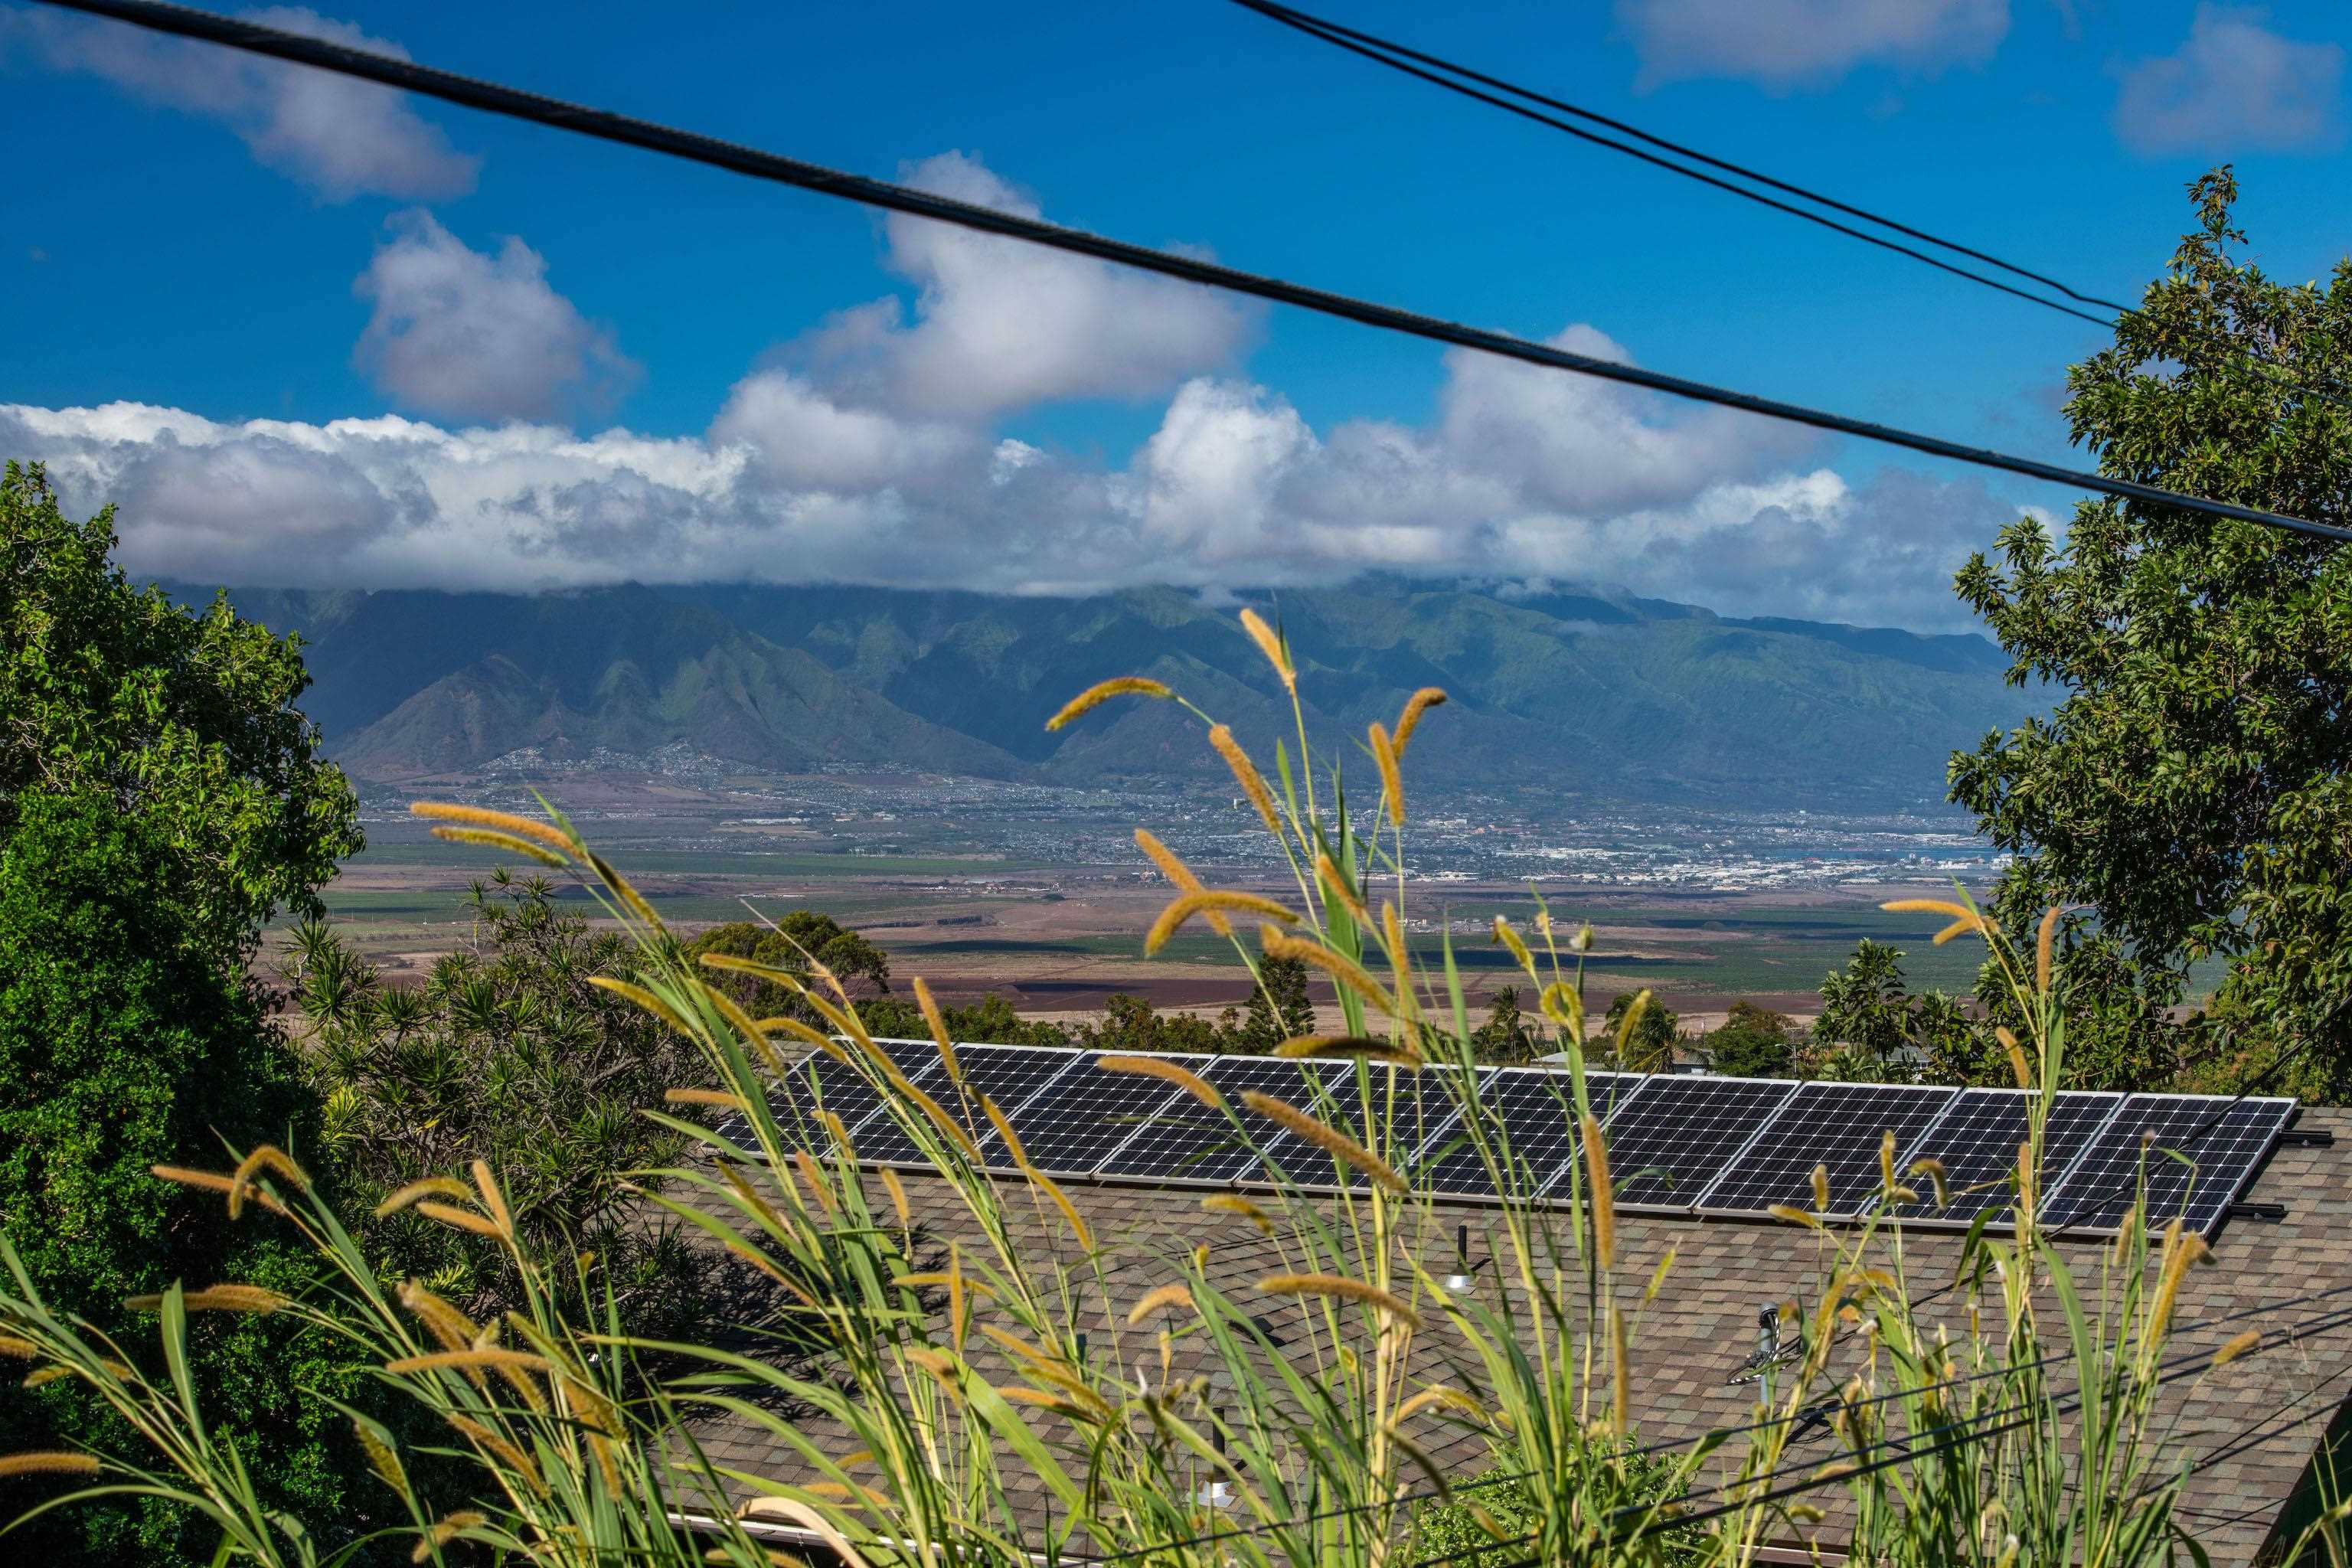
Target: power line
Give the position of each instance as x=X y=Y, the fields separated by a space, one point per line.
x=1458 y=79
x=1307 y=22
x=2176 y=1368
x=1371 y=48
x=514 y=103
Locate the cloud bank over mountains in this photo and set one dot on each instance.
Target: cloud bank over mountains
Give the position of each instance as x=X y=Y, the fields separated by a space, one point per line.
x=871 y=450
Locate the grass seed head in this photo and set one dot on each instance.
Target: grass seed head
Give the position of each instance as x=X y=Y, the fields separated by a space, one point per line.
x=1102 y=691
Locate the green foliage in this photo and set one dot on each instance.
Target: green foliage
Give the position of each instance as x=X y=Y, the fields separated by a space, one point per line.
x=184 y=720
x=124 y=1044
x=1507 y=1036
x=1453 y=1533
x=1650 y=1047
x=2191 y=785
x=1279 y=1008
x=991 y=1021
x=505 y=1053
x=1131 y=1024
x=1872 y=1028
x=1753 y=1042
x=798 y=939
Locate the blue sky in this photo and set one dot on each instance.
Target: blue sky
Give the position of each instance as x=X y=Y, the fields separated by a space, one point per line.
x=309 y=332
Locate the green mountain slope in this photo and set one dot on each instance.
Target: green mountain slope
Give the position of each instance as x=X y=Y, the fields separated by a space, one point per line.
x=1585 y=692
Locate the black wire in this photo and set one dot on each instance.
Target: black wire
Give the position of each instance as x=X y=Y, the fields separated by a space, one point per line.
x=1336 y=32
x=1718 y=1434
x=496 y=98
x=1369 y=48
x=1398 y=57
x=2179 y=1367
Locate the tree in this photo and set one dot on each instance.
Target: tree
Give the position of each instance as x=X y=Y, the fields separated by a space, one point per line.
x=2189 y=786
x=797 y=938
x=1650 y=1048
x=1131 y=1024
x=1279 y=1008
x=1753 y=1043
x=124 y=1044
x=1872 y=1028
x=505 y=1053
x=991 y=1021
x=184 y=720
x=1505 y=1035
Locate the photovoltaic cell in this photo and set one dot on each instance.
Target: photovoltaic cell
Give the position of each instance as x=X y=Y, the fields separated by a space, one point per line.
x=1976 y=1141
x=1670 y=1140
x=1325 y=1090
x=1084 y=1115
x=819 y=1080
x=1006 y=1074
x=1410 y=1130
x=1186 y=1140
x=1536 y=1111
x=1840 y=1127
x=2226 y=1140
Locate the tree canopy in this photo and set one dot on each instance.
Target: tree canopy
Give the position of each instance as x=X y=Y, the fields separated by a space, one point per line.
x=124 y=1044
x=1753 y=1042
x=2186 y=797
x=180 y=718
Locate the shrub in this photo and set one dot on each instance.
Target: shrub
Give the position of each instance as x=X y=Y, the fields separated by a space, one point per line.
x=124 y=1045
x=505 y=1053
x=1754 y=1042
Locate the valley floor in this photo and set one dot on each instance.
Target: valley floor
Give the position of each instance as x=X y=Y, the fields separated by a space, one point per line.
x=1041 y=895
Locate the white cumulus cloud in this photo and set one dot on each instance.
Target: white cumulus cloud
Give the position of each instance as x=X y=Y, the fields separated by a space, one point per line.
x=1784 y=44
x=2233 y=86
x=467 y=335
x=874 y=452
x=998 y=325
x=341 y=137
x=1234 y=488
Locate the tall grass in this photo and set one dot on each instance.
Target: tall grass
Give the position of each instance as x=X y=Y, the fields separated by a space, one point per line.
x=2011 y=1414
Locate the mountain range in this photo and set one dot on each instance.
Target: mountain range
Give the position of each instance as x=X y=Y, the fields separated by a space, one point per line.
x=1586 y=692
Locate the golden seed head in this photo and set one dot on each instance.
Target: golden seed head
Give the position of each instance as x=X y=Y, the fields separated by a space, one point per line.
x=1095 y=696
x=1270 y=642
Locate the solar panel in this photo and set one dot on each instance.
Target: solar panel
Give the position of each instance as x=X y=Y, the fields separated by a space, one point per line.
x=1414 y=1129
x=1084 y=1115
x=1184 y=1140
x=2226 y=1139
x=1008 y=1075
x=1668 y=1142
x=1838 y=1126
x=1977 y=1140
x=1537 y=1112
x=819 y=1079
x=1323 y=1090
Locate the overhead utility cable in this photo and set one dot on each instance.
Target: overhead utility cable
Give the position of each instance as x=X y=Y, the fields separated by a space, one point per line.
x=496 y=98
x=1397 y=57
x=1460 y=79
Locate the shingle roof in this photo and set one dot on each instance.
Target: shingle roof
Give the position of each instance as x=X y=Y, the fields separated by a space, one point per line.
x=2247 y=1429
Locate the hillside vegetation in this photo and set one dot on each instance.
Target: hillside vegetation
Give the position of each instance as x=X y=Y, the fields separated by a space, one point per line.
x=1598 y=693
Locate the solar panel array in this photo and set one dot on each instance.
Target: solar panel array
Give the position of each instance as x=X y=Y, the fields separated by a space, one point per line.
x=1676 y=1144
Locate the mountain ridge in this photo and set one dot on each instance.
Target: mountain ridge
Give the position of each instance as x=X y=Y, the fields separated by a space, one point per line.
x=1585 y=690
